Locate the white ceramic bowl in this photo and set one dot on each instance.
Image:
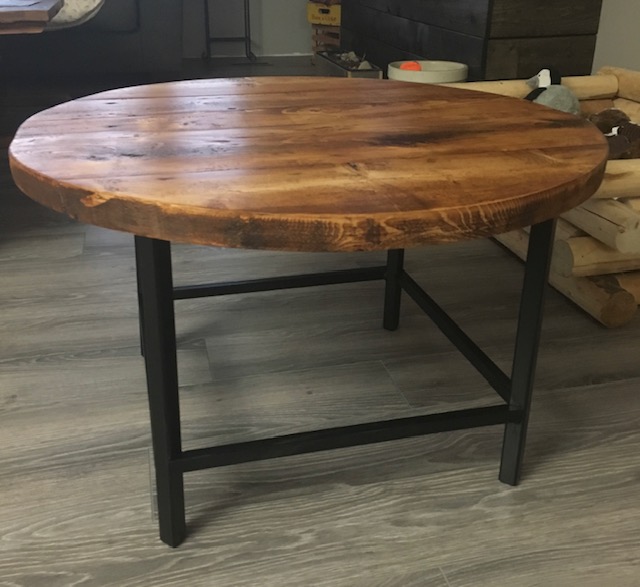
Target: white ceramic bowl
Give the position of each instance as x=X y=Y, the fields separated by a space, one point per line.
x=433 y=72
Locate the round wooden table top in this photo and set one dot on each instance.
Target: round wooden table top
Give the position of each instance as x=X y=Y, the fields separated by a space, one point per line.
x=307 y=164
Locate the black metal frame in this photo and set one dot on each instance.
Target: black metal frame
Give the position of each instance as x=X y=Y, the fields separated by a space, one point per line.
x=246 y=39
x=157 y=294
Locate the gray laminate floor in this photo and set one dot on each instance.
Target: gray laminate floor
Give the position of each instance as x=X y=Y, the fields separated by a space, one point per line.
x=75 y=489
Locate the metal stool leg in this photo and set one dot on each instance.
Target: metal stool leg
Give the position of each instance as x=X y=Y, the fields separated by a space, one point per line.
x=153 y=259
x=247 y=31
x=526 y=349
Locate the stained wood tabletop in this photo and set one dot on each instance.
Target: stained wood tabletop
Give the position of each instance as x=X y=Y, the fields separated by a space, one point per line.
x=27 y=16
x=308 y=164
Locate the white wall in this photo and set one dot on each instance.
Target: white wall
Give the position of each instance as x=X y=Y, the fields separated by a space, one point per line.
x=618 y=41
x=278 y=27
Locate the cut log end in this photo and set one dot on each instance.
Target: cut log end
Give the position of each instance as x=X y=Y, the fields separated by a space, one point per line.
x=620 y=305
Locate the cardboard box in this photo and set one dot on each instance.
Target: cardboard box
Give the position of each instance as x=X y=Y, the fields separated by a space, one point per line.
x=322 y=14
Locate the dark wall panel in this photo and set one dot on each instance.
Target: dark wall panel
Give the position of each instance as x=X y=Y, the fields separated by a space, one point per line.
x=544 y=18
x=464 y=16
x=523 y=58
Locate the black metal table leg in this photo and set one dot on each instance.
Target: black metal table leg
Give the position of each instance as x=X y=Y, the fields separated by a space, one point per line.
x=526 y=349
x=153 y=260
x=393 y=289
x=140 y=311
x=156 y=298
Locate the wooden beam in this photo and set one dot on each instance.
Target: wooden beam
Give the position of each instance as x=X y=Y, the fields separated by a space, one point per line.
x=596 y=87
x=628 y=82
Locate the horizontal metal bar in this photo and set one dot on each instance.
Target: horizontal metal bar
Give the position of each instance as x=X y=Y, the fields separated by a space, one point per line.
x=185 y=292
x=339 y=437
x=474 y=354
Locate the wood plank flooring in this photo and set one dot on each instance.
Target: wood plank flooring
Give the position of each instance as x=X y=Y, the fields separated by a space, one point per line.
x=75 y=490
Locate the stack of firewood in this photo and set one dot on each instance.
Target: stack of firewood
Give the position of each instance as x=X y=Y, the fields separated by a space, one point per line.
x=596 y=257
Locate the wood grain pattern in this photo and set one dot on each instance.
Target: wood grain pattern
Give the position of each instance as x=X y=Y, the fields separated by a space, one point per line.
x=307 y=164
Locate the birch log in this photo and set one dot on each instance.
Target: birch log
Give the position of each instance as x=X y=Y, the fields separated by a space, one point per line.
x=601 y=297
x=564 y=230
x=585 y=87
x=585 y=256
x=621 y=180
x=628 y=81
x=611 y=222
